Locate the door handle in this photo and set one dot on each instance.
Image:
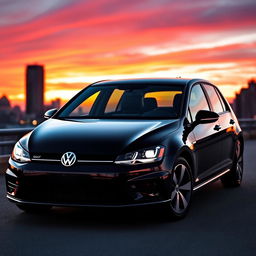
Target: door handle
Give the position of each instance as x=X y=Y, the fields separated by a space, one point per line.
x=231 y=121
x=217 y=127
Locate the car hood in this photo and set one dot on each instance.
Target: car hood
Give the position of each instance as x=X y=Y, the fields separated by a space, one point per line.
x=91 y=139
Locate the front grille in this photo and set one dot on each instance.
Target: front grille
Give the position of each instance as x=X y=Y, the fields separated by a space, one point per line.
x=77 y=189
x=78 y=160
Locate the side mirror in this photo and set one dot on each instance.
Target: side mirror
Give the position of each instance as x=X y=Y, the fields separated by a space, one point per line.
x=49 y=113
x=205 y=117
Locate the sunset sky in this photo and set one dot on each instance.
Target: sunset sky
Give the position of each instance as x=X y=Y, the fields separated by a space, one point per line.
x=80 y=42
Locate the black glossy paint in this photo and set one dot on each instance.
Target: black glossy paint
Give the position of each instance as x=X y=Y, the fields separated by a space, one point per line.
x=208 y=148
x=91 y=139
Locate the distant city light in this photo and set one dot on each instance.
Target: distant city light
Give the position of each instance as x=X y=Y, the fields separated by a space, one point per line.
x=34 y=122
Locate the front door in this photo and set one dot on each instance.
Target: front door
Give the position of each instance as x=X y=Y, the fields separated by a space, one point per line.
x=207 y=144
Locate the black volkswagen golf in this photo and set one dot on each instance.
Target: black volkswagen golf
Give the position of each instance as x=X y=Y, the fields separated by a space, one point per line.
x=129 y=143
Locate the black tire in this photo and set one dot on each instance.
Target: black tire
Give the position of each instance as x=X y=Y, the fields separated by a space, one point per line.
x=235 y=176
x=180 y=190
x=34 y=208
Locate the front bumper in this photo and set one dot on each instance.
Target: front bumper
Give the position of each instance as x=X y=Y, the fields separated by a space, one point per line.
x=96 y=185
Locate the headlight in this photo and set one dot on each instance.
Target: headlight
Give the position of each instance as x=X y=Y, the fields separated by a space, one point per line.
x=19 y=154
x=148 y=155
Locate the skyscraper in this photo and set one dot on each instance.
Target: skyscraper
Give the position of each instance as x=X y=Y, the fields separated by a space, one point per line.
x=35 y=91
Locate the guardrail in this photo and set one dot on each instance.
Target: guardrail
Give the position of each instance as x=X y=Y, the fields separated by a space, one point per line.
x=248 y=124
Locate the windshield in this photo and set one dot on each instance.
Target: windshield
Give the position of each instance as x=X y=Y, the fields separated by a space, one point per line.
x=125 y=101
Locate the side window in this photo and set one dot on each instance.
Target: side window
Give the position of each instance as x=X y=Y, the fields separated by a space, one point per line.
x=197 y=101
x=222 y=101
x=214 y=98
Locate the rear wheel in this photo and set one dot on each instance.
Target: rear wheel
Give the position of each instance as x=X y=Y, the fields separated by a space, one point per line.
x=180 y=190
x=34 y=208
x=235 y=176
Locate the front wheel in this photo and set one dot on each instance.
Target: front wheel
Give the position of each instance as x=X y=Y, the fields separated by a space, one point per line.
x=180 y=189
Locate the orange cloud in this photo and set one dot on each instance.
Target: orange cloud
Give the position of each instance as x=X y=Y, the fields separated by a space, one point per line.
x=80 y=42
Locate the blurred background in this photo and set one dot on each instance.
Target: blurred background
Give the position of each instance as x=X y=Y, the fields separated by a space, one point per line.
x=51 y=49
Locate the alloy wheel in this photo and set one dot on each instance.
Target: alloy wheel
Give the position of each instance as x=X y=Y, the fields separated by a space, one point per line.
x=235 y=176
x=239 y=164
x=239 y=170
x=182 y=188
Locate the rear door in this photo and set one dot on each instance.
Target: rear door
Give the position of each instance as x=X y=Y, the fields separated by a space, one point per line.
x=207 y=145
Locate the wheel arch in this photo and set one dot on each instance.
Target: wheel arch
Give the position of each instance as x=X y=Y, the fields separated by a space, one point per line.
x=188 y=156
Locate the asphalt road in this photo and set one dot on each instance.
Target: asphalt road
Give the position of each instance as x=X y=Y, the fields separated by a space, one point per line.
x=221 y=221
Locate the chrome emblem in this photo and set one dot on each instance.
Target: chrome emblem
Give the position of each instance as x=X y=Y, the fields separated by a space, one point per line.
x=68 y=159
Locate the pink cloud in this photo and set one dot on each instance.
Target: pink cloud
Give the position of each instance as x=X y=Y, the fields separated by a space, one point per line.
x=106 y=36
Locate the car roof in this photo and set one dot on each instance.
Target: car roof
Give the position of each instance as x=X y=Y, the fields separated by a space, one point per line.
x=156 y=81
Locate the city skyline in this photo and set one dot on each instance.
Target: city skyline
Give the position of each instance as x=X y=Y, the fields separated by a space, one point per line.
x=58 y=101
x=81 y=42
x=51 y=102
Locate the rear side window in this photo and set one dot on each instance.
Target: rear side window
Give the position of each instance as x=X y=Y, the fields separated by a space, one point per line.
x=224 y=105
x=197 y=101
x=214 y=98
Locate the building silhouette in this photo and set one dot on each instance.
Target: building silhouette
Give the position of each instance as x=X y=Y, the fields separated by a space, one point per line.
x=4 y=103
x=244 y=104
x=8 y=116
x=35 y=91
